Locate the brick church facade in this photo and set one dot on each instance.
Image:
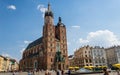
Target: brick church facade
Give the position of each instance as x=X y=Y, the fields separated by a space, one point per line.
x=48 y=51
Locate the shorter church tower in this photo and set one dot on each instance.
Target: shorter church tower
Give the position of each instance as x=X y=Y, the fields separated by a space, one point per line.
x=60 y=34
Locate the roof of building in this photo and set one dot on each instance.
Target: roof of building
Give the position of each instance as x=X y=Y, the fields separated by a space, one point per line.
x=70 y=56
x=34 y=43
x=2 y=56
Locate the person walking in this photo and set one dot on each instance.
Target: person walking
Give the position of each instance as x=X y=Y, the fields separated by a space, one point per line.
x=46 y=72
x=118 y=73
x=29 y=73
x=69 y=72
x=62 y=72
x=105 y=71
x=13 y=73
x=57 y=72
x=49 y=73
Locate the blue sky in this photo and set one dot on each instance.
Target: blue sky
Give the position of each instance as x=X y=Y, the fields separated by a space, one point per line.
x=88 y=22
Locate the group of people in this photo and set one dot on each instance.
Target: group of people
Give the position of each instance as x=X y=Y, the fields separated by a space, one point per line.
x=58 y=72
x=61 y=72
x=107 y=73
x=47 y=72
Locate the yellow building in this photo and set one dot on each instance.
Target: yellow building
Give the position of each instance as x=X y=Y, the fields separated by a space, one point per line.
x=82 y=56
x=3 y=62
x=8 y=64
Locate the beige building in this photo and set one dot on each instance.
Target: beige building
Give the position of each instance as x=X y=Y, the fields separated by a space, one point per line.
x=82 y=56
x=1 y=63
x=113 y=55
x=7 y=64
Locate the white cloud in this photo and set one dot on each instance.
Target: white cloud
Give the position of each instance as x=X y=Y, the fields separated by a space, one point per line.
x=83 y=41
x=76 y=26
x=11 y=7
x=42 y=9
x=27 y=42
x=103 y=38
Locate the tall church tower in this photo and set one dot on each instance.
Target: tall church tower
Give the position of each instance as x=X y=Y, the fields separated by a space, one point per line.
x=49 y=39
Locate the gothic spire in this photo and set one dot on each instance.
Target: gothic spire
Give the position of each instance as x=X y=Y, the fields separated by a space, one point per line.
x=60 y=20
x=48 y=6
x=49 y=12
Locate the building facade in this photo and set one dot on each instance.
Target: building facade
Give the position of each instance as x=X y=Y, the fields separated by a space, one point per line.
x=8 y=64
x=113 y=55
x=50 y=50
x=98 y=56
x=71 y=61
x=1 y=63
x=12 y=65
x=82 y=56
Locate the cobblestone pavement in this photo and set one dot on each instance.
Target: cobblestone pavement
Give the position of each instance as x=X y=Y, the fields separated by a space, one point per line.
x=52 y=73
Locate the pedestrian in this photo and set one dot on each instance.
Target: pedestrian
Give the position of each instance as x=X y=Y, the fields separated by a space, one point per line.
x=105 y=71
x=13 y=73
x=69 y=72
x=62 y=72
x=33 y=73
x=57 y=72
x=49 y=73
x=29 y=73
x=46 y=72
x=118 y=73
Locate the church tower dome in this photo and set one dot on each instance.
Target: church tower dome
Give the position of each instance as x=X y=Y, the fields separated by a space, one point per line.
x=60 y=22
